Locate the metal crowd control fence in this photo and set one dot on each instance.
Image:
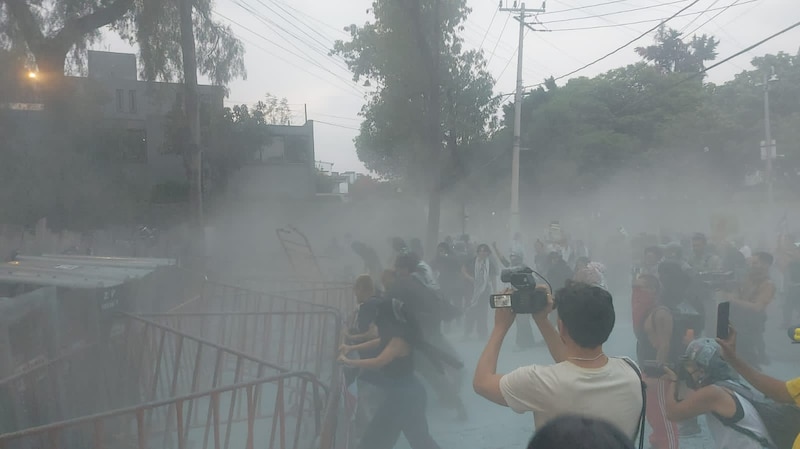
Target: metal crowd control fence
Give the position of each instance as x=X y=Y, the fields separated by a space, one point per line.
x=299 y=340
x=312 y=323
x=222 y=418
x=143 y=361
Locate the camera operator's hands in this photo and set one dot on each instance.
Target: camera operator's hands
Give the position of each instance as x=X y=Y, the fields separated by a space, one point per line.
x=542 y=314
x=728 y=345
x=504 y=317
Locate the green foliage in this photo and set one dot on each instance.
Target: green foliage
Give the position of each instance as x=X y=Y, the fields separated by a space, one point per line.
x=670 y=54
x=645 y=121
x=390 y=53
x=52 y=30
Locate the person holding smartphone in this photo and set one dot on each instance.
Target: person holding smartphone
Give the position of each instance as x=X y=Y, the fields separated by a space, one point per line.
x=775 y=389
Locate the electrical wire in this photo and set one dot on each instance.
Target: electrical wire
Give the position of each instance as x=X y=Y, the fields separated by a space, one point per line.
x=267 y=21
x=686 y=27
x=576 y=8
x=489 y=61
x=618 y=49
x=713 y=17
x=597 y=27
x=336 y=125
x=293 y=53
x=613 y=13
x=715 y=65
x=480 y=47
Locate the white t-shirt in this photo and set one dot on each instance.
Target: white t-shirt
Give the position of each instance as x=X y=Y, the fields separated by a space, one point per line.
x=612 y=392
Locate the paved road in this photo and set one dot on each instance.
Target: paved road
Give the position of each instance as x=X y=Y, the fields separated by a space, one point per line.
x=493 y=427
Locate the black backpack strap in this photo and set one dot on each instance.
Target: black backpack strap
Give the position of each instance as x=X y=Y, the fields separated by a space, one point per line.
x=642 y=417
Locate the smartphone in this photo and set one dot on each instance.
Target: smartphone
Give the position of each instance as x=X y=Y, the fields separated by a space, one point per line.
x=652 y=368
x=723 y=319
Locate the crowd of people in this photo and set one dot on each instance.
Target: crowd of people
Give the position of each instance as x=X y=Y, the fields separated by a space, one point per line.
x=406 y=315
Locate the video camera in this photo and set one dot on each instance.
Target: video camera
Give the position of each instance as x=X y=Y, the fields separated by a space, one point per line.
x=526 y=298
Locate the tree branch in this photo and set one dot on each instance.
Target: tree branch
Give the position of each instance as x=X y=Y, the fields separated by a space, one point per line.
x=23 y=17
x=76 y=28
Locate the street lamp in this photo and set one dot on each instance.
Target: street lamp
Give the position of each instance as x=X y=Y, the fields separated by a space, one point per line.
x=32 y=75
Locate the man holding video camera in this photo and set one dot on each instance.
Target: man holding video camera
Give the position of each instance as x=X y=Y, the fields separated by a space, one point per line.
x=583 y=380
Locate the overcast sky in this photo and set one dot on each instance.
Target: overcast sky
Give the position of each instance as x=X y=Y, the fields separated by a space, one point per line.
x=286 y=45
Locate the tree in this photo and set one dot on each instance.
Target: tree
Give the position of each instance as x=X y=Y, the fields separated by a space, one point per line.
x=52 y=31
x=672 y=55
x=274 y=111
x=429 y=93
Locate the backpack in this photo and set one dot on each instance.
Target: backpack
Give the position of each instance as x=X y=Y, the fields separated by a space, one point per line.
x=781 y=420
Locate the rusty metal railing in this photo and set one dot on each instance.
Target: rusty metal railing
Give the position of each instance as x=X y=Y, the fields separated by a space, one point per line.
x=224 y=417
x=296 y=340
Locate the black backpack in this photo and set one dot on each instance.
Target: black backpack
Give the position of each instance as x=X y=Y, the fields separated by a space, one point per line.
x=781 y=420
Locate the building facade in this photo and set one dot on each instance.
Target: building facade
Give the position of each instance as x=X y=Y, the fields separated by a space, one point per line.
x=142 y=117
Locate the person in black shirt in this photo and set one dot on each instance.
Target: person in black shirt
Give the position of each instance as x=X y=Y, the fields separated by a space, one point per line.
x=362 y=328
x=404 y=397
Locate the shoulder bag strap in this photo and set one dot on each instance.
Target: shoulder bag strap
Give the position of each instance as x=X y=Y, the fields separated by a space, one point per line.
x=640 y=427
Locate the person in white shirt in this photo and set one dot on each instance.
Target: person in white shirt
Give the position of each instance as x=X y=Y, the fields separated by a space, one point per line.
x=583 y=381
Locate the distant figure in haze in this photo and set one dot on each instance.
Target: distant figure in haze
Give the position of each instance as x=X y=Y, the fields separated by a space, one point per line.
x=482 y=273
x=558 y=272
x=372 y=263
x=579 y=432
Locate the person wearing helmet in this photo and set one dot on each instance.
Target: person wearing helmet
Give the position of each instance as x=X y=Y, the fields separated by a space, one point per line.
x=702 y=368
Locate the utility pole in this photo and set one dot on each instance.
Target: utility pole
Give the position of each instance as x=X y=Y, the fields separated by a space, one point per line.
x=191 y=108
x=768 y=146
x=523 y=14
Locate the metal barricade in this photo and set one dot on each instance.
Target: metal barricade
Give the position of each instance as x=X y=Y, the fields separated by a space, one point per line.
x=296 y=339
x=142 y=361
x=222 y=418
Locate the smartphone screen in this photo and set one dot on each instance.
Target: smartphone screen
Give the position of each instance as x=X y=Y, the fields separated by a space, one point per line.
x=723 y=319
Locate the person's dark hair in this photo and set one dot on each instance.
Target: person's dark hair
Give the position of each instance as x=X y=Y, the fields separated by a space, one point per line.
x=579 y=432
x=765 y=257
x=674 y=283
x=408 y=261
x=587 y=312
x=654 y=250
x=483 y=247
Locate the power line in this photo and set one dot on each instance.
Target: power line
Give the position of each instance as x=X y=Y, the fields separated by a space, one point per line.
x=338 y=116
x=336 y=125
x=639 y=22
x=686 y=27
x=641 y=8
x=266 y=21
x=617 y=50
x=715 y=65
x=480 y=47
x=713 y=17
x=293 y=53
x=489 y=61
x=576 y=8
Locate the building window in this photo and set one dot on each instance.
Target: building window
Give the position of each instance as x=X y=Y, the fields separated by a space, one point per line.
x=134 y=145
x=120 y=100
x=132 y=101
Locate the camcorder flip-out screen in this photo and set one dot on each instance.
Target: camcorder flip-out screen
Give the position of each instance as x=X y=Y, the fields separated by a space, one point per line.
x=500 y=301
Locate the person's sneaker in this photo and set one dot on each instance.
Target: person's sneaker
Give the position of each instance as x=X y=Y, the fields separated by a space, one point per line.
x=689 y=428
